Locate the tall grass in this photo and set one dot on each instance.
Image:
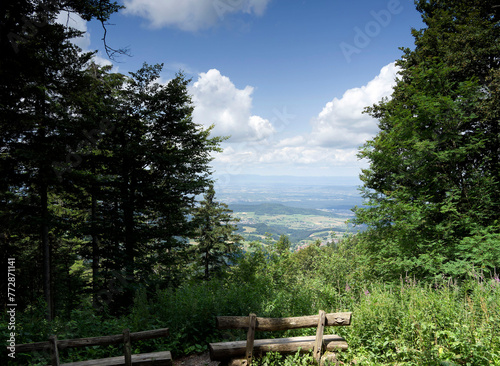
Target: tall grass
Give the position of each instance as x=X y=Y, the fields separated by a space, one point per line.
x=426 y=324
x=403 y=323
x=409 y=323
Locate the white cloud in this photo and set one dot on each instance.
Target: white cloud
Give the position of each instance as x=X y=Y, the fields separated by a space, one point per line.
x=292 y=141
x=191 y=15
x=286 y=160
x=331 y=146
x=342 y=124
x=218 y=101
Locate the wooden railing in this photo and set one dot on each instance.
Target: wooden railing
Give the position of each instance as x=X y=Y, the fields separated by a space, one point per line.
x=233 y=351
x=128 y=359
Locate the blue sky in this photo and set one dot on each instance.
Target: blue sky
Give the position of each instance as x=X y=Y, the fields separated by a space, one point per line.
x=287 y=80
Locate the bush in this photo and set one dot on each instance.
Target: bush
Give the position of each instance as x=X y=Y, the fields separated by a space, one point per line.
x=405 y=323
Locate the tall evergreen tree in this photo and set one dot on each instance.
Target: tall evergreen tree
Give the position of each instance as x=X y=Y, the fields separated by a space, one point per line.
x=216 y=243
x=158 y=163
x=41 y=75
x=432 y=188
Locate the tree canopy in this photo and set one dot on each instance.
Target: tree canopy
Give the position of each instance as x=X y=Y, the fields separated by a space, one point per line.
x=432 y=188
x=216 y=244
x=98 y=169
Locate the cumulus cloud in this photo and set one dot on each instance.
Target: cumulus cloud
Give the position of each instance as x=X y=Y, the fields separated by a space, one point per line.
x=341 y=123
x=285 y=160
x=217 y=101
x=191 y=15
x=331 y=145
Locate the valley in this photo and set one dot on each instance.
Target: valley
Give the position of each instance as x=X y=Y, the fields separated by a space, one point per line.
x=306 y=209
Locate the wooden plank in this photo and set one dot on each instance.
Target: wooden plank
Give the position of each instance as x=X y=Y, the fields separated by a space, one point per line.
x=54 y=351
x=149 y=334
x=38 y=346
x=163 y=358
x=318 y=342
x=272 y=324
x=93 y=341
x=250 y=339
x=225 y=350
x=127 y=348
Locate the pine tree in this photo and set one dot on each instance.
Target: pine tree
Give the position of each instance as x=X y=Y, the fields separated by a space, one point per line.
x=433 y=186
x=216 y=243
x=157 y=163
x=41 y=78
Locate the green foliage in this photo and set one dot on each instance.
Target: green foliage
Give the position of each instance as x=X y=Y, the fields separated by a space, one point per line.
x=216 y=245
x=276 y=359
x=283 y=245
x=427 y=324
x=432 y=184
x=406 y=322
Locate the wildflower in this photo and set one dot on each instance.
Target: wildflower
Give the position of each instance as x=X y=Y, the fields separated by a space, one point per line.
x=347 y=287
x=367 y=292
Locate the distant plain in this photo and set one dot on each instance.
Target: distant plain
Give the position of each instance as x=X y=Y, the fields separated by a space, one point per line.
x=304 y=208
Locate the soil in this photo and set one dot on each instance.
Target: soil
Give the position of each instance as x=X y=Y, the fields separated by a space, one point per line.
x=202 y=359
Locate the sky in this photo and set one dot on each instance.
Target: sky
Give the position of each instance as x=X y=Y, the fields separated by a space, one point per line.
x=287 y=80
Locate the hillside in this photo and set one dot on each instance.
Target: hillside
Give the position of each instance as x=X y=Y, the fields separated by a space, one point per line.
x=301 y=225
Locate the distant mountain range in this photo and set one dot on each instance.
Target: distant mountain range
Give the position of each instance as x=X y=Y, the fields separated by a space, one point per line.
x=250 y=179
x=278 y=209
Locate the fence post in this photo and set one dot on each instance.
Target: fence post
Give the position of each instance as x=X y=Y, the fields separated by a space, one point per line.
x=127 y=347
x=54 y=352
x=318 y=345
x=250 y=338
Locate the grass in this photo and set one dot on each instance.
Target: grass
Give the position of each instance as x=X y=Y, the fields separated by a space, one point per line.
x=427 y=324
x=408 y=322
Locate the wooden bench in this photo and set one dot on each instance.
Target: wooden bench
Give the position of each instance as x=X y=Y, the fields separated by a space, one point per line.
x=128 y=359
x=242 y=352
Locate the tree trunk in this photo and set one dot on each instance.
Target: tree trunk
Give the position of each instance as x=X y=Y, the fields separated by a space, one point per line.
x=207 y=264
x=47 y=280
x=95 y=249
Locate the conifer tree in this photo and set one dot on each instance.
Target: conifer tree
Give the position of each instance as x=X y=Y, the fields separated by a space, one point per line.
x=158 y=162
x=216 y=243
x=41 y=77
x=433 y=188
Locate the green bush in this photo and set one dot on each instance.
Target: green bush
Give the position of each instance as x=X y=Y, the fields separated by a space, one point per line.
x=445 y=322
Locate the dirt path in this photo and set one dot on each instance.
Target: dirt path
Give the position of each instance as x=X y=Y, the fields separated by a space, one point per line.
x=202 y=359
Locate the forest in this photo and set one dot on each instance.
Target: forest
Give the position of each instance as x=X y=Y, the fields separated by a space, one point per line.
x=109 y=218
